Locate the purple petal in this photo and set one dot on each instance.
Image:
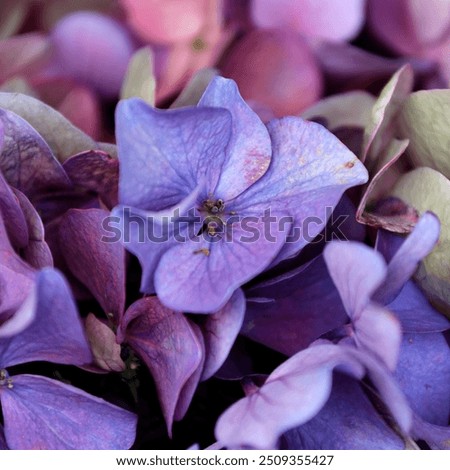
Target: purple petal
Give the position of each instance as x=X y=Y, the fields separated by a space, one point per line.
x=37 y=253
x=331 y=20
x=99 y=265
x=220 y=330
x=423 y=372
x=164 y=155
x=437 y=437
x=200 y=276
x=134 y=225
x=26 y=161
x=41 y=413
x=94 y=49
x=357 y=271
x=3 y=445
x=379 y=331
x=292 y=395
x=347 y=421
x=13 y=216
x=415 y=312
x=190 y=387
x=96 y=171
x=291 y=311
x=249 y=149
x=404 y=263
x=166 y=342
x=24 y=316
x=309 y=171
x=103 y=343
x=56 y=334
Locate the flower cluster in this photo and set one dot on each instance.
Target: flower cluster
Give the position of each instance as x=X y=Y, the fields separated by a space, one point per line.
x=224 y=224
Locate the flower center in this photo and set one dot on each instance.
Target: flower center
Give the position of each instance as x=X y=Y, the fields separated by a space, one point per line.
x=5 y=379
x=213 y=225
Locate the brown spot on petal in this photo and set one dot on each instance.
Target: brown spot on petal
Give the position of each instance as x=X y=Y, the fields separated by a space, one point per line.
x=205 y=251
x=350 y=164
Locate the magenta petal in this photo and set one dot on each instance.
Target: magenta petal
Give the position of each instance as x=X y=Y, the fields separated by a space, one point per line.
x=96 y=171
x=406 y=260
x=348 y=421
x=41 y=413
x=209 y=272
x=56 y=334
x=309 y=171
x=220 y=330
x=165 y=154
x=26 y=160
x=190 y=387
x=292 y=395
x=99 y=265
x=357 y=271
x=166 y=342
x=249 y=149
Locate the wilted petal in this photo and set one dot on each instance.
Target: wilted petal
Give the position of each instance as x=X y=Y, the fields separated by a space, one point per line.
x=220 y=331
x=104 y=346
x=56 y=334
x=190 y=387
x=292 y=395
x=13 y=216
x=291 y=311
x=423 y=372
x=332 y=20
x=347 y=421
x=167 y=344
x=310 y=169
x=95 y=171
x=165 y=154
x=63 y=138
x=99 y=265
x=26 y=160
x=41 y=413
x=37 y=253
x=249 y=149
x=379 y=130
x=356 y=271
x=209 y=272
x=404 y=263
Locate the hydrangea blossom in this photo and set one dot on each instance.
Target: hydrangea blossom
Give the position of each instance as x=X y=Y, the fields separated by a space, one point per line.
x=239 y=191
x=55 y=415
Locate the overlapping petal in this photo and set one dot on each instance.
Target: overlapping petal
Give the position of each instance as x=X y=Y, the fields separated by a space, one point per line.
x=39 y=413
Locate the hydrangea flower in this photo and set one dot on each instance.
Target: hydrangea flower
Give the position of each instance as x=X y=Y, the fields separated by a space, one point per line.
x=219 y=172
x=42 y=413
